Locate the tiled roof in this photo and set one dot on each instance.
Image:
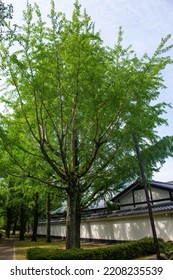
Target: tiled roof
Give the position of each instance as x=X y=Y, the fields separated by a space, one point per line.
x=134 y=211
x=143 y=210
x=159 y=208
x=162 y=185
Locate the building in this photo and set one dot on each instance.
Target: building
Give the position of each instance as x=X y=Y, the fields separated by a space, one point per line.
x=130 y=221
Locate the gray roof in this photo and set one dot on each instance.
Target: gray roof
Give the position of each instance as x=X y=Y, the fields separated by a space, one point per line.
x=165 y=207
x=159 y=208
x=94 y=206
x=162 y=185
x=60 y=210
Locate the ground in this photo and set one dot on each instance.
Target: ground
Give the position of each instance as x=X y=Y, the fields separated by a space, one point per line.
x=7 y=249
x=13 y=249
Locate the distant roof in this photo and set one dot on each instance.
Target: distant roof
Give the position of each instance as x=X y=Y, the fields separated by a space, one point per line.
x=94 y=206
x=101 y=204
x=59 y=210
x=136 y=185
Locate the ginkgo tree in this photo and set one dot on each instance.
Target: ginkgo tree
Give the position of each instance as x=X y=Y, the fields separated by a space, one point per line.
x=73 y=106
x=6 y=14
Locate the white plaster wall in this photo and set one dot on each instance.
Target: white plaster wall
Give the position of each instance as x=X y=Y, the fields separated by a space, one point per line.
x=159 y=194
x=139 y=196
x=59 y=230
x=127 y=199
x=41 y=230
x=164 y=226
x=129 y=228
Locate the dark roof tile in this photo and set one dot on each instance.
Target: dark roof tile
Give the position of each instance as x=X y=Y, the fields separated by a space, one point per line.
x=133 y=211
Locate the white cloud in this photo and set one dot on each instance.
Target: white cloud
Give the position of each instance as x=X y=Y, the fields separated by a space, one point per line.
x=166 y=172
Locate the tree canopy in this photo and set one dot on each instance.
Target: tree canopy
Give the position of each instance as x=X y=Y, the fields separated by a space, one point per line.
x=72 y=106
x=6 y=13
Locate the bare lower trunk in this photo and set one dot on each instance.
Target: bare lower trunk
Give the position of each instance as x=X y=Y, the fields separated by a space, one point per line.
x=22 y=222
x=48 y=203
x=78 y=222
x=73 y=221
x=73 y=193
x=151 y=216
x=36 y=217
x=14 y=226
x=8 y=223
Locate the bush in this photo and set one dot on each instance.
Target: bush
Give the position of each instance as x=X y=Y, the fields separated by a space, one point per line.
x=125 y=251
x=167 y=250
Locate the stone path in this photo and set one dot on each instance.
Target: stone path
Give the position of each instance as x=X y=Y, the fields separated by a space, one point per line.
x=7 y=250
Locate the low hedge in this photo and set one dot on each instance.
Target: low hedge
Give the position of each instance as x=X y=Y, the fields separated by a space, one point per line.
x=123 y=251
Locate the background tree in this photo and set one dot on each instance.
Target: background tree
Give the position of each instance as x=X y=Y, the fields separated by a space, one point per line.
x=73 y=106
x=6 y=13
x=7 y=205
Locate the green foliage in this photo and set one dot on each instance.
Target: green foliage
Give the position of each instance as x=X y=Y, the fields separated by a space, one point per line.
x=73 y=103
x=6 y=13
x=66 y=85
x=125 y=251
x=2 y=234
x=167 y=251
x=18 y=195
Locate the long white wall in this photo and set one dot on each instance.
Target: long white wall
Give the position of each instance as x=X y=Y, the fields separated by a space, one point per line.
x=124 y=228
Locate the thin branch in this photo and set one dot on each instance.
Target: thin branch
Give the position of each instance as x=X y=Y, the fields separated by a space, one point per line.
x=29 y=152
x=22 y=106
x=49 y=183
x=52 y=163
x=13 y=157
x=91 y=161
x=60 y=140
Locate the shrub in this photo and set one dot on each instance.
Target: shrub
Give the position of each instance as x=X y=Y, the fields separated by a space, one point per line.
x=123 y=251
x=167 y=250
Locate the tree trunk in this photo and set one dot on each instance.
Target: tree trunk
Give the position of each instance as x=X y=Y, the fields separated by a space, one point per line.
x=14 y=226
x=48 y=205
x=73 y=233
x=36 y=217
x=8 y=223
x=78 y=223
x=147 y=196
x=73 y=218
x=22 y=222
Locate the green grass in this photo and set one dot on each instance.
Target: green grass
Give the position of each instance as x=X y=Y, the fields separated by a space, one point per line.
x=21 y=247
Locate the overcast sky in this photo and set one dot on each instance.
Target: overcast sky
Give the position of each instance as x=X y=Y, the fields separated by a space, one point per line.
x=144 y=23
